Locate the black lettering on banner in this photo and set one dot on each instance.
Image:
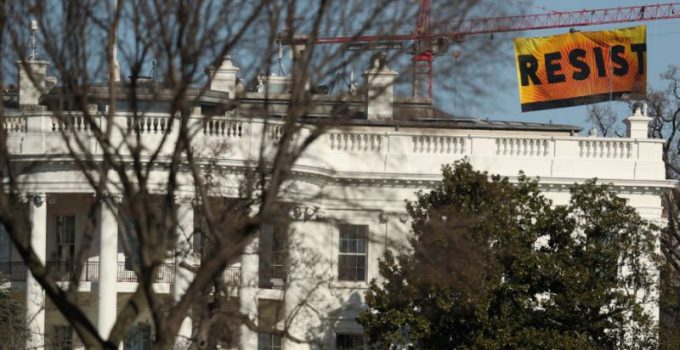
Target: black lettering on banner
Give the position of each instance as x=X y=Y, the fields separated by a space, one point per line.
x=599 y=62
x=574 y=59
x=640 y=50
x=552 y=68
x=528 y=65
x=616 y=55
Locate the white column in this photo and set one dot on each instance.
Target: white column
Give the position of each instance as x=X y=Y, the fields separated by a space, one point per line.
x=299 y=278
x=107 y=296
x=183 y=276
x=35 y=295
x=247 y=293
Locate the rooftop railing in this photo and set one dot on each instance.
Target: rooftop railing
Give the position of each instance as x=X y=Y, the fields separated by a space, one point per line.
x=63 y=271
x=351 y=150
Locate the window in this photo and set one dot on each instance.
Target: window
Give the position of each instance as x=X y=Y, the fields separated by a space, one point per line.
x=273 y=256
x=349 y=342
x=60 y=338
x=132 y=253
x=199 y=237
x=5 y=245
x=353 y=249
x=268 y=341
x=139 y=338
x=198 y=243
x=66 y=237
x=269 y=318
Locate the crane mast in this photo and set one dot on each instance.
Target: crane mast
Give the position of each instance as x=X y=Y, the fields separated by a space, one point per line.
x=423 y=54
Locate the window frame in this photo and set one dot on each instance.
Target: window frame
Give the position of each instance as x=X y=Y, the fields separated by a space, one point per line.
x=139 y=337
x=366 y=233
x=363 y=345
x=270 y=341
x=274 y=256
x=60 y=337
x=5 y=245
x=61 y=236
x=132 y=258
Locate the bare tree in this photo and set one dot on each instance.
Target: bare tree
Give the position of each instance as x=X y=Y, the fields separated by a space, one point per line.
x=144 y=170
x=604 y=119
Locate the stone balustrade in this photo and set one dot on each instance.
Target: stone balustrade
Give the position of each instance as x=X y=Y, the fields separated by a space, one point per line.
x=63 y=272
x=353 y=151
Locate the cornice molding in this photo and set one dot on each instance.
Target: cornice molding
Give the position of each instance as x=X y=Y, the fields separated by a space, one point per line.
x=318 y=176
x=307 y=212
x=385 y=216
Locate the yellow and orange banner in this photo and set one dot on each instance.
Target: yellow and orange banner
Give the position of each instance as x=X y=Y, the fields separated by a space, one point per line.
x=580 y=67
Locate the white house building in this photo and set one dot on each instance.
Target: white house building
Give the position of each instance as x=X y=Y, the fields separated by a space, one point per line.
x=348 y=188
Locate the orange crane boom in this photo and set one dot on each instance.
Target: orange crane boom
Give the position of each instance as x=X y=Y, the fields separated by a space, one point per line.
x=427 y=43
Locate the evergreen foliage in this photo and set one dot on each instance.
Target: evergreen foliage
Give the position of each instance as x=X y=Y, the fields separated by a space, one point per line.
x=13 y=330
x=495 y=265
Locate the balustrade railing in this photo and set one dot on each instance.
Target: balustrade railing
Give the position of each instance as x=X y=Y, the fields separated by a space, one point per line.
x=347 y=149
x=14 y=124
x=438 y=144
x=61 y=271
x=617 y=149
x=65 y=270
x=164 y=274
x=67 y=122
x=148 y=124
x=273 y=132
x=13 y=271
x=350 y=142
x=522 y=147
x=223 y=127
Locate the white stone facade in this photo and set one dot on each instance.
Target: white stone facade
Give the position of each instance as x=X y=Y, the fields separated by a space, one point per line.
x=357 y=173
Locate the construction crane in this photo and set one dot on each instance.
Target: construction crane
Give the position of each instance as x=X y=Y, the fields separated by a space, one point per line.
x=427 y=43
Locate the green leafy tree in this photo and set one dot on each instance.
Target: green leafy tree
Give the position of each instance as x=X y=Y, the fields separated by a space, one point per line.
x=495 y=265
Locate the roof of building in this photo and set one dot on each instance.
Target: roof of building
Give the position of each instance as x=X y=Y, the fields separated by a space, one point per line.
x=473 y=123
x=343 y=109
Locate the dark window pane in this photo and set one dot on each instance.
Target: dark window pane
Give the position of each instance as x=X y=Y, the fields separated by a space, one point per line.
x=361 y=268
x=60 y=337
x=349 y=342
x=131 y=256
x=273 y=253
x=268 y=341
x=351 y=246
x=198 y=243
x=360 y=274
x=361 y=246
x=139 y=338
x=5 y=245
x=66 y=228
x=343 y=245
x=344 y=273
x=352 y=267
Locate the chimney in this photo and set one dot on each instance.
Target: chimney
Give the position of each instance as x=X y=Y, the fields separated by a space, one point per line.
x=379 y=89
x=30 y=90
x=637 y=125
x=223 y=78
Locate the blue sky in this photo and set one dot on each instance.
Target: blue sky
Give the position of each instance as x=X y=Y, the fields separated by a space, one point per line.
x=663 y=48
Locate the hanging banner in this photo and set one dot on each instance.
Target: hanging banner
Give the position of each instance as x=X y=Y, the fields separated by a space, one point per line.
x=580 y=68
